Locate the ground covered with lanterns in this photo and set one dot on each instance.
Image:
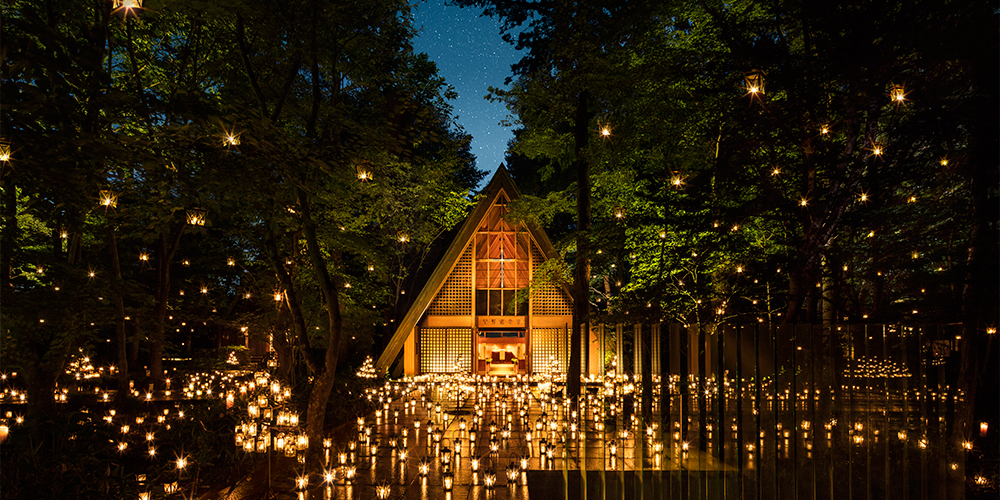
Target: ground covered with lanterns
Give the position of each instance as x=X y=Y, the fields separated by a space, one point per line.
x=464 y=436
x=238 y=434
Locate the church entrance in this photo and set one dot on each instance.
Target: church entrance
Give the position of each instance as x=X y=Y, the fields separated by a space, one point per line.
x=501 y=352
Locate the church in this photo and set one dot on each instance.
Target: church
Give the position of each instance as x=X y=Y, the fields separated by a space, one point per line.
x=463 y=320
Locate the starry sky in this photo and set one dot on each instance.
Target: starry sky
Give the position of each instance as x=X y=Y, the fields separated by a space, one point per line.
x=471 y=56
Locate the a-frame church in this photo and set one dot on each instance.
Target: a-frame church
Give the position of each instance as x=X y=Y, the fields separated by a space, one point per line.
x=462 y=320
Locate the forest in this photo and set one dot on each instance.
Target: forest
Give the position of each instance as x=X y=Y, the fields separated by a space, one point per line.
x=180 y=174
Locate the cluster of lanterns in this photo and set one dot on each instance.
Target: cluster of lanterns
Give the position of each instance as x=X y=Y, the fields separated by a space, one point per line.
x=367 y=369
x=270 y=423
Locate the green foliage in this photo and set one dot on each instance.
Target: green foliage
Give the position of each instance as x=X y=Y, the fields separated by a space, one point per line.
x=711 y=203
x=75 y=454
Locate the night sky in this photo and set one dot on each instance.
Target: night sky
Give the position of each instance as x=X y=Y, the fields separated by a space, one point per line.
x=471 y=56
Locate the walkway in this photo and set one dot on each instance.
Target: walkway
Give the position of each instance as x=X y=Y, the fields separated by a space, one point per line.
x=488 y=439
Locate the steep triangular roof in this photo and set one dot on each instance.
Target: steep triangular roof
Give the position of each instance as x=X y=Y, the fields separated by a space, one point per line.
x=501 y=181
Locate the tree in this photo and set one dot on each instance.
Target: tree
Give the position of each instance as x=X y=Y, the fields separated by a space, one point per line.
x=563 y=79
x=347 y=147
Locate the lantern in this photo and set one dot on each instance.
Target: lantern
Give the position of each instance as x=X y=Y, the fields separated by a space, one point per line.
x=231 y=139
x=447 y=480
x=363 y=175
x=898 y=94
x=196 y=216
x=754 y=82
x=512 y=473
x=108 y=198
x=127 y=5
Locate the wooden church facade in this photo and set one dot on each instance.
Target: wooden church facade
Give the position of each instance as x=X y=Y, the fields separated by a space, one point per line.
x=463 y=319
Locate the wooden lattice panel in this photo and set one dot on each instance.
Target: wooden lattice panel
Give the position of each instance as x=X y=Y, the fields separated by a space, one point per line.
x=455 y=296
x=445 y=350
x=547 y=300
x=548 y=350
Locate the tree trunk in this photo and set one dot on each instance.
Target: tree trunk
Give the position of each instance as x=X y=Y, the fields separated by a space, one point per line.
x=10 y=232
x=978 y=371
x=291 y=296
x=121 y=348
x=320 y=394
x=165 y=254
x=41 y=382
x=581 y=279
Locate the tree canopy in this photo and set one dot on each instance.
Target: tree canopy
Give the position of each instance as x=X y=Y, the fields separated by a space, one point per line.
x=188 y=170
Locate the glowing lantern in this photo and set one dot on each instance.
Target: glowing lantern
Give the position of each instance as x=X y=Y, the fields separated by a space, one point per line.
x=754 y=82
x=108 y=198
x=363 y=175
x=128 y=5
x=196 y=216
x=897 y=94
x=231 y=139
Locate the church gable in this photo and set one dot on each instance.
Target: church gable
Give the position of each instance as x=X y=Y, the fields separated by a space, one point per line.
x=455 y=296
x=462 y=319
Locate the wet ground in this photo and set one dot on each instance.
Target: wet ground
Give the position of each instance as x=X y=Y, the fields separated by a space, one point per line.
x=869 y=446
